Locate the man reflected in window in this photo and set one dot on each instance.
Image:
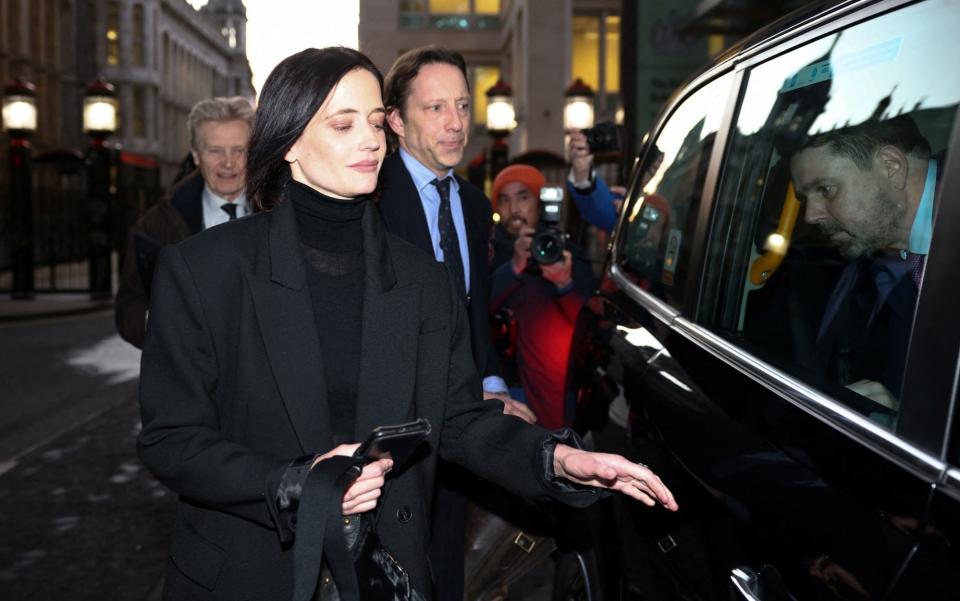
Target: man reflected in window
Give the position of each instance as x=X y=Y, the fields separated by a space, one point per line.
x=870 y=190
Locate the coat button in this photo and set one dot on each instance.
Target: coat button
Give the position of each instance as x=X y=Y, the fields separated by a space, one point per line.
x=404 y=514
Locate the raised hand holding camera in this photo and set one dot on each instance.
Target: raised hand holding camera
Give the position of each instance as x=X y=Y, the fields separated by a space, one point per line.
x=521 y=248
x=560 y=274
x=581 y=157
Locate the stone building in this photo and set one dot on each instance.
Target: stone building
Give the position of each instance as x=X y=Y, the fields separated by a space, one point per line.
x=162 y=56
x=39 y=43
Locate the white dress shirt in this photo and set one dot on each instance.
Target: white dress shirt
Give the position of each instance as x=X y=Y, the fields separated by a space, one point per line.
x=214 y=215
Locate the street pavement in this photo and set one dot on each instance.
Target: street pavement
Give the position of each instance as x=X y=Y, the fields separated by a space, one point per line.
x=81 y=519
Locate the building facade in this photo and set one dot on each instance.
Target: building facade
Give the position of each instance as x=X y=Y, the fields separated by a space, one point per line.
x=537 y=46
x=38 y=42
x=162 y=56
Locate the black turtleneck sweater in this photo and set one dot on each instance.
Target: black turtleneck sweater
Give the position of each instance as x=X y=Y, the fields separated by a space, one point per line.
x=332 y=243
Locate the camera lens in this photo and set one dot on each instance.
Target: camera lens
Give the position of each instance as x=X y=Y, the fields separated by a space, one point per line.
x=547 y=247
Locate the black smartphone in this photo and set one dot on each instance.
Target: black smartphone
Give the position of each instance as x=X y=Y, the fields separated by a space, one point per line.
x=397 y=442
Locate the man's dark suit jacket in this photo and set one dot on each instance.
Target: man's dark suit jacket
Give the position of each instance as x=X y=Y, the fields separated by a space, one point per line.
x=403 y=214
x=175 y=218
x=232 y=390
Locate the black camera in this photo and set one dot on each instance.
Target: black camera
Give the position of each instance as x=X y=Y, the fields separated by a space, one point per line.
x=604 y=137
x=547 y=246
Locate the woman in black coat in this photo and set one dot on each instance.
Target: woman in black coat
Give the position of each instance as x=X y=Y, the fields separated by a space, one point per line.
x=280 y=339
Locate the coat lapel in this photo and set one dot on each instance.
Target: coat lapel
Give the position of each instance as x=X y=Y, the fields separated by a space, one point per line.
x=285 y=315
x=400 y=204
x=476 y=246
x=187 y=199
x=388 y=351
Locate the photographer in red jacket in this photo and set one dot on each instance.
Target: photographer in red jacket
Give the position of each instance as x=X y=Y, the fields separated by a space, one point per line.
x=543 y=282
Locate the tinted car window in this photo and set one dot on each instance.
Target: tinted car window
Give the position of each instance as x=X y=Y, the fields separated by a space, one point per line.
x=828 y=198
x=655 y=242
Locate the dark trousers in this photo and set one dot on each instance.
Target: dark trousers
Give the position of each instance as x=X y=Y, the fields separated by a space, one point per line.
x=447 y=529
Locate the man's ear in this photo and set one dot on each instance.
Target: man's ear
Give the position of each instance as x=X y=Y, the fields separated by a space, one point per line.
x=395 y=121
x=196 y=158
x=894 y=165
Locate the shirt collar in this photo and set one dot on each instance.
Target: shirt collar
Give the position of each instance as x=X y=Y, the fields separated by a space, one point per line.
x=922 y=229
x=214 y=201
x=422 y=177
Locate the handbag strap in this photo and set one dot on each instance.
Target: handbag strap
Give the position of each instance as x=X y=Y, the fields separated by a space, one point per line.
x=319 y=530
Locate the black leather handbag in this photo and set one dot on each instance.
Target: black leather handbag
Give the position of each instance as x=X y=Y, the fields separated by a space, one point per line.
x=341 y=558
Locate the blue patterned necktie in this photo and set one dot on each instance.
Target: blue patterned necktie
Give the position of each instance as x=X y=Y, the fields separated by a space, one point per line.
x=449 y=241
x=916 y=263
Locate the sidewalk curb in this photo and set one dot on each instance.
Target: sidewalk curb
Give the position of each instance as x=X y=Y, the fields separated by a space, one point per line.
x=45 y=310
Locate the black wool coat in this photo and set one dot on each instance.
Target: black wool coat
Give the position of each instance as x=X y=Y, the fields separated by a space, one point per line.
x=232 y=390
x=174 y=218
x=403 y=215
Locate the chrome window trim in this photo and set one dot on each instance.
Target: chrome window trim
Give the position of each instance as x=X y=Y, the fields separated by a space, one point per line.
x=654 y=305
x=833 y=413
x=951 y=483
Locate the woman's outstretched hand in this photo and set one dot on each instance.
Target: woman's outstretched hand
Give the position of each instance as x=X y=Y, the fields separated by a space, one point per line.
x=614 y=472
x=362 y=495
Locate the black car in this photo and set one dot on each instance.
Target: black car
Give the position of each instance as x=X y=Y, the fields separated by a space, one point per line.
x=778 y=325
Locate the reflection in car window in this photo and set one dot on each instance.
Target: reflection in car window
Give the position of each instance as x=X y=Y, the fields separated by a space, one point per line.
x=828 y=199
x=655 y=242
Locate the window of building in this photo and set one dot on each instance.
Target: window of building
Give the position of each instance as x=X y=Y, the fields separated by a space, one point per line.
x=595 y=58
x=450 y=14
x=486 y=7
x=139 y=54
x=585 y=62
x=167 y=59
x=611 y=62
x=52 y=41
x=654 y=248
x=828 y=200
x=112 y=30
x=14 y=27
x=484 y=77
x=139 y=113
x=449 y=7
x=35 y=16
x=229 y=32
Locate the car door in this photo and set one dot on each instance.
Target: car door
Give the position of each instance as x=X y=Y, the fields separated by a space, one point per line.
x=716 y=340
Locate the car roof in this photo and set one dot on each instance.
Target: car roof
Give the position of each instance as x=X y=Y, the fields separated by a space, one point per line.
x=790 y=21
x=770 y=34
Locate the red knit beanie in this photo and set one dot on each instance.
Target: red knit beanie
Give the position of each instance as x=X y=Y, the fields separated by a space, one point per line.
x=525 y=174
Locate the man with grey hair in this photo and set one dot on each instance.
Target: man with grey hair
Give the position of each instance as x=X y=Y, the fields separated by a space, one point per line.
x=219 y=132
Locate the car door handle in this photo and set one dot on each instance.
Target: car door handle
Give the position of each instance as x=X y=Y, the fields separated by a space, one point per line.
x=767 y=585
x=743 y=584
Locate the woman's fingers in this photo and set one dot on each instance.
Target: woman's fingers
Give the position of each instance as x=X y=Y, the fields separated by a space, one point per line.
x=362 y=503
x=615 y=472
x=363 y=493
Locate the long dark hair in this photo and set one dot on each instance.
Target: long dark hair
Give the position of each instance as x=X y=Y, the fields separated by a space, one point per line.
x=291 y=96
